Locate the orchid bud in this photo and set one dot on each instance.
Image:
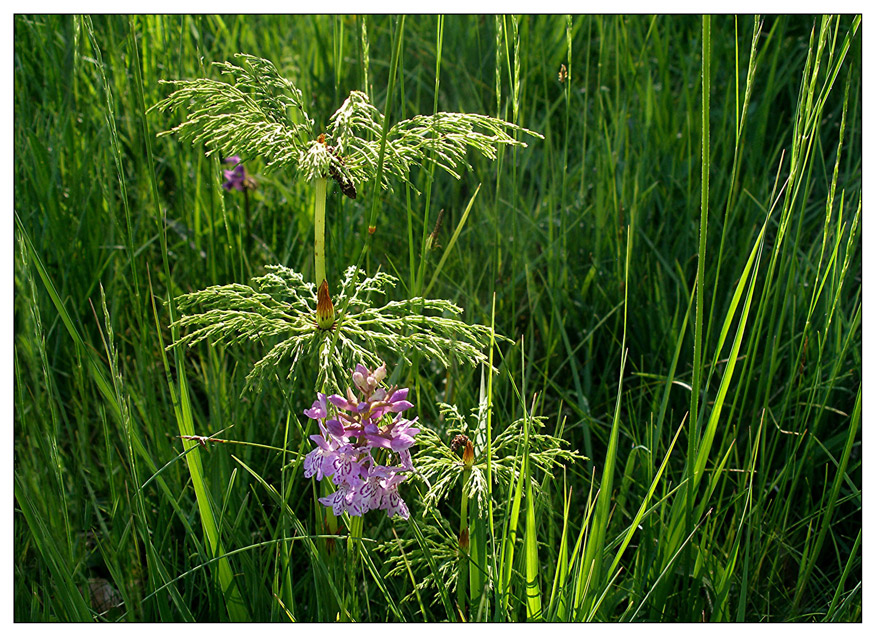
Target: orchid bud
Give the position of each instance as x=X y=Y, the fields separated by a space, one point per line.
x=359 y=381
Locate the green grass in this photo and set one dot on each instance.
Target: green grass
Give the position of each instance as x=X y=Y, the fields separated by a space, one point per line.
x=679 y=278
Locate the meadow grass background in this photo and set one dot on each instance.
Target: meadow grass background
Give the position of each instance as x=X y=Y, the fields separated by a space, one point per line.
x=705 y=360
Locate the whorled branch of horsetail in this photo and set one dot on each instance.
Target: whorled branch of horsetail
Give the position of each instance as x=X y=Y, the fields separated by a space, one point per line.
x=260 y=113
x=282 y=305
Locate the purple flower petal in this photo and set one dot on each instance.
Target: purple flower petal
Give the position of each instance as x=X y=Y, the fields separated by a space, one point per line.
x=360 y=382
x=377 y=441
x=341 y=403
x=346 y=498
x=400 y=394
x=311 y=463
x=361 y=369
x=395 y=506
x=321 y=442
x=319 y=462
x=401 y=442
x=400 y=405
x=347 y=467
x=319 y=409
x=335 y=428
x=405 y=457
x=236 y=177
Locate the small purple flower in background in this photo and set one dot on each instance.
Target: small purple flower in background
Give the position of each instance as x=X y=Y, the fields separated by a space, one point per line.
x=353 y=428
x=237 y=177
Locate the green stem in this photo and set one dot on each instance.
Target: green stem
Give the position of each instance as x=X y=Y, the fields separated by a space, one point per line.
x=354 y=540
x=464 y=543
x=327 y=552
x=463 y=513
x=246 y=223
x=319 y=230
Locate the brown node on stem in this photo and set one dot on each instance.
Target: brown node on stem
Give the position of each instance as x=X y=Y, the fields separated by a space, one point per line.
x=463 y=539
x=468 y=455
x=325 y=311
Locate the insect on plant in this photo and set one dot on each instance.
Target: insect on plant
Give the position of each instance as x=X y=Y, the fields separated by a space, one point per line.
x=258 y=112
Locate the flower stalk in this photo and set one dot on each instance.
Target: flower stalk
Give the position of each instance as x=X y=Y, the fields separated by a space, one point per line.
x=354 y=546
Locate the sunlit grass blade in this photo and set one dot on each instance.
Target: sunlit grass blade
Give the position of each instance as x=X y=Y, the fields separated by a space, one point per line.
x=643 y=507
x=530 y=540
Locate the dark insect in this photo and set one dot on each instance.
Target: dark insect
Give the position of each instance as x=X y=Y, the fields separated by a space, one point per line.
x=347 y=187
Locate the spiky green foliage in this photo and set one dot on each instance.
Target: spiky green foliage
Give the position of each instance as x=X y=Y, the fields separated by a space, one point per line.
x=440 y=139
x=430 y=563
x=258 y=114
x=440 y=468
x=100 y=202
x=261 y=114
x=279 y=309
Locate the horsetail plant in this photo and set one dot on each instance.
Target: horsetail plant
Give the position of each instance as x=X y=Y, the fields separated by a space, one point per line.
x=464 y=462
x=441 y=467
x=282 y=304
x=261 y=113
